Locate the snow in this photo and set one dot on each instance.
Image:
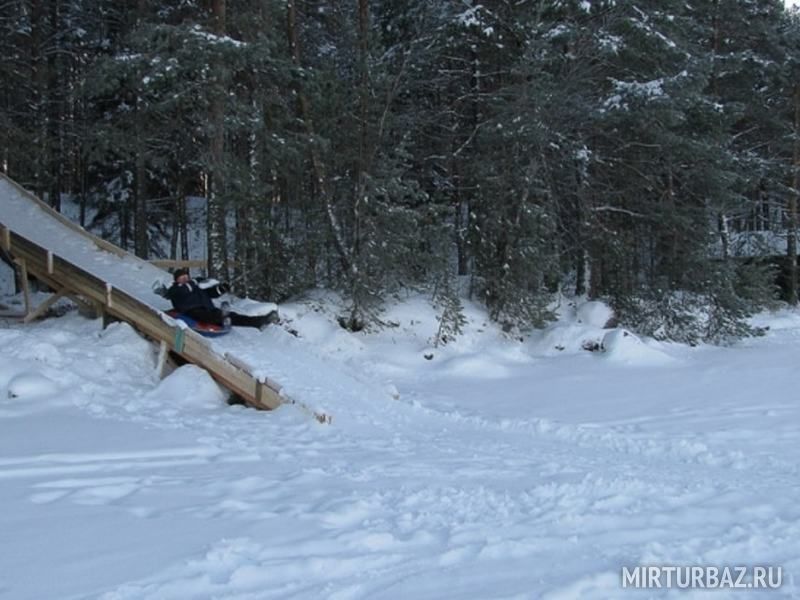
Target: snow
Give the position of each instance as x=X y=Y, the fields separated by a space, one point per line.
x=249 y=307
x=492 y=470
x=623 y=346
x=755 y=243
x=470 y=17
x=595 y=314
x=212 y=38
x=30 y=385
x=6 y=279
x=129 y=274
x=487 y=467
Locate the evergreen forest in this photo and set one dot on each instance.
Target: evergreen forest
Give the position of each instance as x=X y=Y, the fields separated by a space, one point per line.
x=505 y=151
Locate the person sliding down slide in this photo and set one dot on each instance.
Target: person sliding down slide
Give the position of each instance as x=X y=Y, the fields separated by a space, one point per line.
x=193 y=298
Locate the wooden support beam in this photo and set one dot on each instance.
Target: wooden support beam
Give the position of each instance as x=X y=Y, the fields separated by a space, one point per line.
x=161 y=363
x=5 y=239
x=40 y=310
x=85 y=307
x=260 y=392
x=23 y=283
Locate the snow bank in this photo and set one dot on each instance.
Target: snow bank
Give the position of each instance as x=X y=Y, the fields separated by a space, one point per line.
x=595 y=314
x=622 y=347
x=189 y=387
x=406 y=337
x=318 y=326
x=248 y=307
x=31 y=385
x=565 y=338
x=494 y=476
x=22 y=376
x=584 y=327
x=580 y=327
x=782 y=319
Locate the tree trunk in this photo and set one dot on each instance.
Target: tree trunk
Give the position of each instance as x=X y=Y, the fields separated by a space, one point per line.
x=216 y=214
x=363 y=101
x=724 y=235
x=356 y=284
x=582 y=209
x=177 y=247
x=791 y=212
x=184 y=223
x=140 y=238
x=173 y=238
x=55 y=108
x=461 y=217
x=39 y=101
x=318 y=167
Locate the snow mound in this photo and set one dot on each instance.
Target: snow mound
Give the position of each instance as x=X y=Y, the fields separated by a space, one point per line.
x=9 y=368
x=475 y=366
x=565 y=338
x=595 y=314
x=43 y=352
x=777 y=320
x=251 y=308
x=321 y=331
x=621 y=346
x=31 y=385
x=189 y=387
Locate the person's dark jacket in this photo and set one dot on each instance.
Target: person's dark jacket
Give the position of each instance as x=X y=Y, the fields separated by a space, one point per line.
x=188 y=296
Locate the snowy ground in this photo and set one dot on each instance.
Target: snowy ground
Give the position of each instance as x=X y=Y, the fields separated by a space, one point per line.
x=497 y=469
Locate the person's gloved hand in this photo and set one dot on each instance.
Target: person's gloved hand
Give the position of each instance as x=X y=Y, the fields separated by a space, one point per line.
x=160 y=288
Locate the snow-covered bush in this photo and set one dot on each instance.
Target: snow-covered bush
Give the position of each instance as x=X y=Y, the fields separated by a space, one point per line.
x=595 y=313
x=716 y=310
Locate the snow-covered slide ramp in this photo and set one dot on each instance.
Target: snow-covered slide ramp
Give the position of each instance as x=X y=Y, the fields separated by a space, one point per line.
x=77 y=264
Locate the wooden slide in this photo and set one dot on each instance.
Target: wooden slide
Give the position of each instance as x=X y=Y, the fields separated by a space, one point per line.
x=46 y=245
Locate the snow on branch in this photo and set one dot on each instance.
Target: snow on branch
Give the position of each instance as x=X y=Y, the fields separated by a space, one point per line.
x=616 y=209
x=215 y=39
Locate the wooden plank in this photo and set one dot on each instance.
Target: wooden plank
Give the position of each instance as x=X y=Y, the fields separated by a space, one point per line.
x=85 y=307
x=53 y=284
x=194 y=263
x=161 y=363
x=164 y=263
x=23 y=283
x=5 y=239
x=40 y=310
